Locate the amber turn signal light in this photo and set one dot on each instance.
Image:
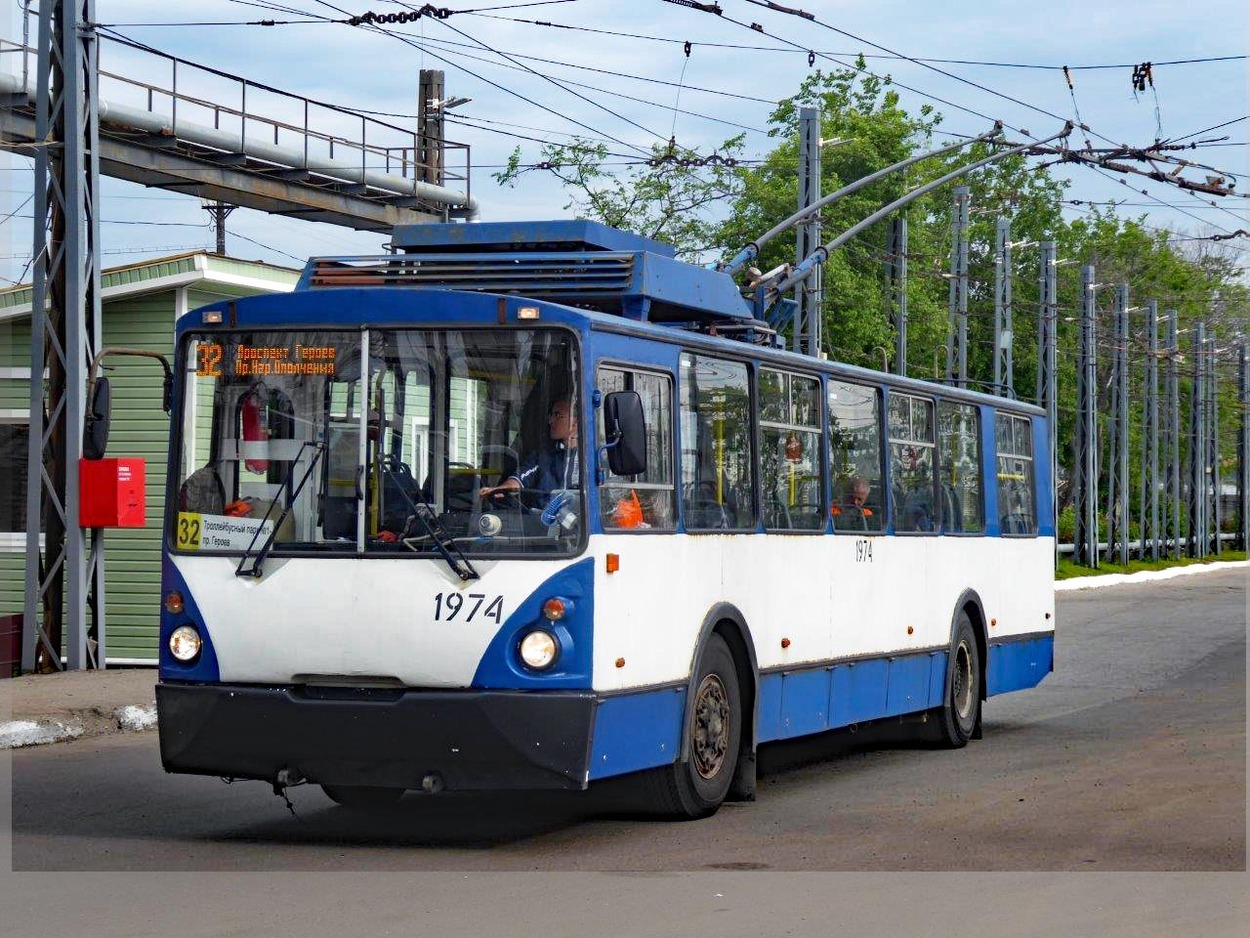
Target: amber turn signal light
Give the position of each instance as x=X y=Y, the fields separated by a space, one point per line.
x=173 y=603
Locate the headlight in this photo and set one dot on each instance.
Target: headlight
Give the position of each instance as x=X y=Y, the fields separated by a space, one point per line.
x=539 y=649
x=184 y=643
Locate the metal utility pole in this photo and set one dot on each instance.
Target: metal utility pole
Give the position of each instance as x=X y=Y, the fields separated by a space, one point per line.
x=1004 y=377
x=219 y=212
x=1117 y=464
x=1047 y=381
x=897 y=250
x=1243 y=446
x=65 y=335
x=807 y=295
x=1213 y=445
x=1086 y=475
x=1150 y=440
x=1172 y=528
x=1198 y=447
x=957 y=320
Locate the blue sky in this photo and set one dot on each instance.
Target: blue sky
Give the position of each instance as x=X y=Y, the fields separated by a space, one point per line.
x=355 y=68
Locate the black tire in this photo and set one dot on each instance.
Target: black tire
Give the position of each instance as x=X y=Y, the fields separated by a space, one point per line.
x=361 y=797
x=695 y=787
x=961 y=708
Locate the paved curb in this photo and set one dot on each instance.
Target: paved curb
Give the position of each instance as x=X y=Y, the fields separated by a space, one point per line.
x=1145 y=576
x=137 y=718
x=17 y=734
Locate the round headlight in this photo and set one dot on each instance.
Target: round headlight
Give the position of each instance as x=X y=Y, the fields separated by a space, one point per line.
x=184 y=643
x=539 y=649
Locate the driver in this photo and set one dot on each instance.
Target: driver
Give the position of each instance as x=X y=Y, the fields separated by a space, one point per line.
x=554 y=466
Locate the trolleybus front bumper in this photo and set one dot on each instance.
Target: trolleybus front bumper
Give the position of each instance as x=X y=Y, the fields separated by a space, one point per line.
x=396 y=739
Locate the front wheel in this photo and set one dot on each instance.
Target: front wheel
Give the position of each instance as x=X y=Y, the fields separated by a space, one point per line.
x=961 y=709
x=696 y=786
x=361 y=797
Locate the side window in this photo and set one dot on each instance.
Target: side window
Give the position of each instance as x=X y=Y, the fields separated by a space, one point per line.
x=959 y=451
x=855 y=458
x=717 y=489
x=1016 y=514
x=646 y=500
x=790 y=479
x=912 y=481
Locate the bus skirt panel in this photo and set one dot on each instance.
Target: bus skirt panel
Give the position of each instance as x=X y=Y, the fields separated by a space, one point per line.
x=459 y=740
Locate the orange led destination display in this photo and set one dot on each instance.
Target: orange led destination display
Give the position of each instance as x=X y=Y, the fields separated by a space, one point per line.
x=260 y=360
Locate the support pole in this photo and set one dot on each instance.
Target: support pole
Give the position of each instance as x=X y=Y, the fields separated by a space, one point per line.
x=65 y=333
x=898 y=290
x=1243 y=445
x=1047 y=381
x=957 y=323
x=1150 y=442
x=1086 y=487
x=1198 y=447
x=1173 y=528
x=807 y=294
x=430 y=129
x=1213 y=445
x=1004 y=381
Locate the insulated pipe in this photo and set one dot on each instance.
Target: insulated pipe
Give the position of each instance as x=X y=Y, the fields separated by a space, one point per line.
x=146 y=121
x=752 y=250
x=821 y=254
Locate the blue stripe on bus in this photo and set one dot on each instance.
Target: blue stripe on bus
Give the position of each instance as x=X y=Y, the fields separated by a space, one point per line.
x=1019 y=665
x=796 y=703
x=501 y=668
x=637 y=731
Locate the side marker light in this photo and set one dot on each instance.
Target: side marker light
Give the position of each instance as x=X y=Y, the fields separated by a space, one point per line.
x=613 y=562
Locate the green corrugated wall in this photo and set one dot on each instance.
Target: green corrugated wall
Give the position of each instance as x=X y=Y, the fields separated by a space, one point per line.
x=139 y=429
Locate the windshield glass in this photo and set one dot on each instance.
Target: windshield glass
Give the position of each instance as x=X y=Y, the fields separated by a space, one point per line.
x=380 y=441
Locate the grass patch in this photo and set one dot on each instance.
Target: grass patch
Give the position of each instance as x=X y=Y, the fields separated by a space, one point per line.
x=1066 y=569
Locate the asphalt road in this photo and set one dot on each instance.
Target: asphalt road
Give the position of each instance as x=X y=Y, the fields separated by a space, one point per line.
x=1131 y=757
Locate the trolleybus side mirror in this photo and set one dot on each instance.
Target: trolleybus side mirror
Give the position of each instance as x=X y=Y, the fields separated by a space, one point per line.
x=625 y=430
x=95 y=431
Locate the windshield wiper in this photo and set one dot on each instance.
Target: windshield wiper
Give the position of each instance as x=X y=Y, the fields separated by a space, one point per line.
x=255 y=569
x=444 y=544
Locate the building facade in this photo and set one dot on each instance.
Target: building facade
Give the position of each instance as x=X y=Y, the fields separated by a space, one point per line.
x=141 y=303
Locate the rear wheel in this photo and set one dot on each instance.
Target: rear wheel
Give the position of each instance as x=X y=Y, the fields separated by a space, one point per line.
x=695 y=787
x=362 y=797
x=961 y=709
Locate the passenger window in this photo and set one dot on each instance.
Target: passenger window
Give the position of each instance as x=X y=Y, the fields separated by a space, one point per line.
x=959 y=442
x=717 y=488
x=790 y=479
x=912 y=478
x=646 y=501
x=1016 y=514
x=855 y=458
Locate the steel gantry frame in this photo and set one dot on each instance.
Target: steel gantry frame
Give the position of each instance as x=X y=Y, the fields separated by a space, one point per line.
x=65 y=335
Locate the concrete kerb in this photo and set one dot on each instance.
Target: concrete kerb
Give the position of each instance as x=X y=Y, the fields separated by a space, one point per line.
x=96 y=702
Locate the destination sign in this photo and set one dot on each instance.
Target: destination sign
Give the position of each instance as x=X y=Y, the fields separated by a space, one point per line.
x=257 y=361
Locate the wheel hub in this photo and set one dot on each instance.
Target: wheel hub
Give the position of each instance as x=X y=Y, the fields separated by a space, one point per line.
x=710 y=739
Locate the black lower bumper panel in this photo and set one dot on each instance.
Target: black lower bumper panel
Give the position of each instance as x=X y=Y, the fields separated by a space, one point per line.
x=466 y=740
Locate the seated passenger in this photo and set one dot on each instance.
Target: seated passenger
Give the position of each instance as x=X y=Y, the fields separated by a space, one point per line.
x=852 y=510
